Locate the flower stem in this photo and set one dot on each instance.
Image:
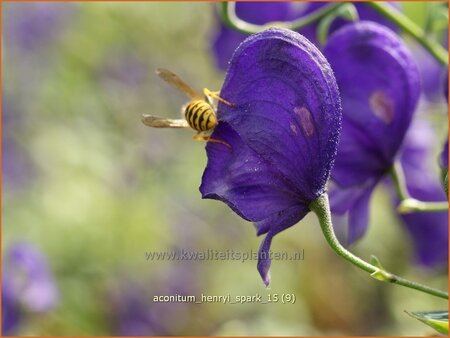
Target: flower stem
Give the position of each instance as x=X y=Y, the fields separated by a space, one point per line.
x=227 y=12
x=321 y=208
x=402 y=21
x=407 y=203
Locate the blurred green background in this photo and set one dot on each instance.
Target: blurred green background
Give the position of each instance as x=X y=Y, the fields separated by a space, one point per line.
x=94 y=189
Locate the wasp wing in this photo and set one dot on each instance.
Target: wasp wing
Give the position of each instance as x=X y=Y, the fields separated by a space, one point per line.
x=177 y=83
x=161 y=122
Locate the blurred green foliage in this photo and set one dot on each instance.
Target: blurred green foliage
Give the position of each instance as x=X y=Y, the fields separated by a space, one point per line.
x=101 y=189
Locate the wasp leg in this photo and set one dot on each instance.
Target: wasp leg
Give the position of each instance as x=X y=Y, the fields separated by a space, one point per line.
x=202 y=137
x=215 y=95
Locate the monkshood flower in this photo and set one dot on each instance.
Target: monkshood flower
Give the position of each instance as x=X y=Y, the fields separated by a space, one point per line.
x=28 y=283
x=428 y=230
x=379 y=87
x=282 y=133
x=226 y=40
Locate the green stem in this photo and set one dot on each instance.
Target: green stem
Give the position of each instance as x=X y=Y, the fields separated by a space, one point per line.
x=412 y=205
x=398 y=177
x=407 y=203
x=227 y=12
x=402 y=21
x=321 y=208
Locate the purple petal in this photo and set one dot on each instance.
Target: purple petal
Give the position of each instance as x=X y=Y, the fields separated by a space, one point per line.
x=354 y=203
x=358 y=219
x=431 y=73
x=280 y=134
x=343 y=199
x=239 y=177
x=428 y=231
x=226 y=40
x=287 y=107
x=11 y=314
x=264 y=259
x=29 y=271
x=377 y=105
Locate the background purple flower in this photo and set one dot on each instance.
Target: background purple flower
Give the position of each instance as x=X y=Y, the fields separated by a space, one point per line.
x=33 y=25
x=11 y=313
x=133 y=312
x=27 y=285
x=225 y=40
x=428 y=230
x=379 y=86
x=282 y=133
x=431 y=72
x=31 y=278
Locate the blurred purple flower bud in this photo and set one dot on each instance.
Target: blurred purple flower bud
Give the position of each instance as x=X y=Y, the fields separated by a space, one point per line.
x=428 y=230
x=282 y=133
x=365 y=13
x=379 y=86
x=134 y=312
x=30 y=278
x=226 y=40
x=33 y=25
x=11 y=314
x=431 y=73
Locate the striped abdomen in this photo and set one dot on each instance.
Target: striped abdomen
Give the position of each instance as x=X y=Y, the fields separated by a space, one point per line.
x=200 y=115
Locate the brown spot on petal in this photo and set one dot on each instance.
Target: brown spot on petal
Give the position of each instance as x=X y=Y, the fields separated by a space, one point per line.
x=382 y=106
x=306 y=120
x=294 y=128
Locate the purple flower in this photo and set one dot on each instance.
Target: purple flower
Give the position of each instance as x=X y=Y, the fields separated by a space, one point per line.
x=27 y=270
x=11 y=313
x=226 y=40
x=133 y=311
x=365 y=13
x=428 y=231
x=282 y=133
x=379 y=86
x=431 y=72
x=33 y=25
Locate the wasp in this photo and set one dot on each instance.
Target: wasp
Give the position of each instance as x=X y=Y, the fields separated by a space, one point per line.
x=199 y=112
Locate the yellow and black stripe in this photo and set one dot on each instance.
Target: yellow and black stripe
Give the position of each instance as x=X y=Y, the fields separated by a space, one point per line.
x=200 y=115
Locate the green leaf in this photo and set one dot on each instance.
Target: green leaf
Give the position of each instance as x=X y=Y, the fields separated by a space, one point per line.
x=438 y=320
x=382 y=275
x=376 y=262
